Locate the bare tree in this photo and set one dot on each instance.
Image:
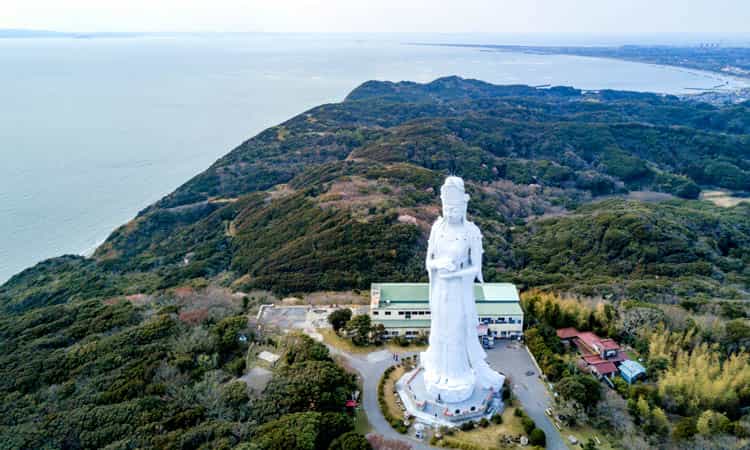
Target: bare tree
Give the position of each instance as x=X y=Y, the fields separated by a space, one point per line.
x=379 y=442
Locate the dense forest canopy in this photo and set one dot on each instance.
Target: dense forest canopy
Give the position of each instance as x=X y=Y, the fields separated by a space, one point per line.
x=339 y=197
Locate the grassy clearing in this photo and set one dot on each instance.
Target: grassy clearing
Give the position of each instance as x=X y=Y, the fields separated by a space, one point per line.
x=399 y=349
x=390 y=397
x=486 y=438
x=333 y=339
x=361 y=424
x=583 y=434
x=722 y=198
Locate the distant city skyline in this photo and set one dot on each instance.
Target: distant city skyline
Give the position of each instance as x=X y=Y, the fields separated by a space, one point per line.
x=486 y=16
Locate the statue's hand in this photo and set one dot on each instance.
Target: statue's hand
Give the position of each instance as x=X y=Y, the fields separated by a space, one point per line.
x=449 y=267
x=444 y=265
x=467 y=272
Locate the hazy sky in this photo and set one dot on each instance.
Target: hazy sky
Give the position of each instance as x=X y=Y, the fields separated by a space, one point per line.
x=589 y=16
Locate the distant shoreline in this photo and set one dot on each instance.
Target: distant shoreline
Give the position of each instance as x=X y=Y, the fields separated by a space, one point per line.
x=629 y=53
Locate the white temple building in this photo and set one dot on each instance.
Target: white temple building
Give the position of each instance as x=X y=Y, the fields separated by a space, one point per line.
x=404 y=309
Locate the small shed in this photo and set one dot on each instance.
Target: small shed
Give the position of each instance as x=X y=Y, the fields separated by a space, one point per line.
x=631 y=371
x=603 y=369
x=268 y=357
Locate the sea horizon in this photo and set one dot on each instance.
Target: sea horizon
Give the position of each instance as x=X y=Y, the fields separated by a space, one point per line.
x=95 y=130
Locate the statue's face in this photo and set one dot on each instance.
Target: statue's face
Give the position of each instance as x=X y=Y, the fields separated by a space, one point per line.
x=454 y=214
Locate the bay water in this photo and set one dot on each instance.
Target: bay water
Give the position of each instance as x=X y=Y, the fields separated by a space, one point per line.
x=94 y=130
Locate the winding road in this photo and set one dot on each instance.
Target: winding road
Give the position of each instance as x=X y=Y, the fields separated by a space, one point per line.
x=509 y=358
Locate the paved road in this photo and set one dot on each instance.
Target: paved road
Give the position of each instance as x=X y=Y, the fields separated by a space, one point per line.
x=513 y=360
x=371 y=368
x=510 y=358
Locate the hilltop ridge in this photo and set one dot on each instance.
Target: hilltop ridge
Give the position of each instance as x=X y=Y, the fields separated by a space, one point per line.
x=341 y=195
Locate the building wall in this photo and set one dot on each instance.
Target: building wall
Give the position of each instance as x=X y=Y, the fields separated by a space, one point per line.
x=407 y=332
x=507 y=330
x=510 y=328
x=404 y=307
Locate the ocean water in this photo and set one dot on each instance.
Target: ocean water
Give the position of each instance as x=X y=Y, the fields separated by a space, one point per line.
x=94 y=130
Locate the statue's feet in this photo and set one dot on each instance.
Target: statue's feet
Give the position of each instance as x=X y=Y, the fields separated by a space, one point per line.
x=451 y=390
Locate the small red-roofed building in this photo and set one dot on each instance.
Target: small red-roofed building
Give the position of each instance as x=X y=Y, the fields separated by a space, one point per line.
x=604 y=369
x=566 y=334
x=598 y=356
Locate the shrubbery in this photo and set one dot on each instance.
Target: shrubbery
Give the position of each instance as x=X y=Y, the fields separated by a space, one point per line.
x=339 y=318
x=468 y=425
x=395 y=422
x=537 y=437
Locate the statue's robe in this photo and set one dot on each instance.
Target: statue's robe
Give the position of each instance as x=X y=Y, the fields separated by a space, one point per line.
x=455 y=361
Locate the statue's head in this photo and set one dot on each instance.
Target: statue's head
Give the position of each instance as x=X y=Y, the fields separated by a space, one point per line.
x=455 y=200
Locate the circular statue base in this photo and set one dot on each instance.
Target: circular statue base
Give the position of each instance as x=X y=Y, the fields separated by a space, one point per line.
x=424 y=408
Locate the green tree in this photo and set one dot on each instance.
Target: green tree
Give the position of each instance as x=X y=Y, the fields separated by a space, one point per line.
x=227 y=332
x=339 y=318
x=712 y=422
x=685 y=428
x=643 y=410
x=350 y=441
x=659 y=421
x=305 y=386
x=621 y=386
x=303 y=431
x=300 y=347
x=736 y=335
x=589 y=445
x=360 y=327
x=584 y=390
x=537 y=437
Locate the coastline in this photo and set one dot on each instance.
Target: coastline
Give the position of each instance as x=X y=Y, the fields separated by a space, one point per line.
x=735 y=83
x=94 y=187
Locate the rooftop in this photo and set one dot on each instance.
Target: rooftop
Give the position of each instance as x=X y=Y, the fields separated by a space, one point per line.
x=590 y=340
x=567 y=333
x=596 y=359
x=605 y=368
x=632 y=368
x=492 y=299
x=420 y=292
x=609 y=344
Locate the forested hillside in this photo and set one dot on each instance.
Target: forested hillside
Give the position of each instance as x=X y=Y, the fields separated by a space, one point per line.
x=341 y=196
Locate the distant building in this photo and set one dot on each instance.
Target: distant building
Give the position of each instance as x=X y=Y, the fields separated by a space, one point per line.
x=599 y=356
x=631 y=371
x=404 y=309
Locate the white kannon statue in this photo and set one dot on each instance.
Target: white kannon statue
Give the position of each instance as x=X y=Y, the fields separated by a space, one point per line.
x=454 y=363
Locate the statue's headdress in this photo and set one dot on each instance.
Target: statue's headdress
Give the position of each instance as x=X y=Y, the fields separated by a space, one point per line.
x=452 y=193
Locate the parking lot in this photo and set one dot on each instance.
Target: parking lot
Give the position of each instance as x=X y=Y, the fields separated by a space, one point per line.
x=512 y=359
x=508 y=357
x=302 y=317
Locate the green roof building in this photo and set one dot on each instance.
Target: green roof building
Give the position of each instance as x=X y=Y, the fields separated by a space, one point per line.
x=404 y=310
